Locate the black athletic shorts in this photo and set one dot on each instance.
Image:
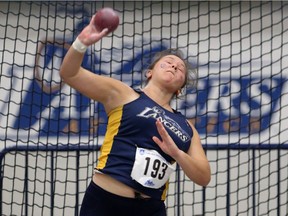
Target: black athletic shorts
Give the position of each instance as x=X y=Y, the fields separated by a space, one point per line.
x=98 y=202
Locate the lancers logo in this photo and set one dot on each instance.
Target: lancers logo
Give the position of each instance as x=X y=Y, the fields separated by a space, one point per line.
x=158 y=113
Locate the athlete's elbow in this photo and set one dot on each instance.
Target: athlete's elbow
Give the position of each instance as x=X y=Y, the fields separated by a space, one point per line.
x=203 y=181
x=204 y=178
x=207 y=176
x=206 y=181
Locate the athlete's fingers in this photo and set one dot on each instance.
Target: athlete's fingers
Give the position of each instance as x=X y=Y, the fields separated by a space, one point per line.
x=162 y=131
x=157 y=140
x=92 y=20
x=97 y=36
x=166 y=144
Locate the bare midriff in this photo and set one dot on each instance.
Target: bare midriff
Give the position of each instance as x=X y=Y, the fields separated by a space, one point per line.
x=114 y=186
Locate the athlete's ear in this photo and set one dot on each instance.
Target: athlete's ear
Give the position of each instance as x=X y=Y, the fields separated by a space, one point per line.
x=148 y=74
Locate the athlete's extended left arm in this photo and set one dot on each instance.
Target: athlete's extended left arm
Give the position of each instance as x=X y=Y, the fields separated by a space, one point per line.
x=194 y=163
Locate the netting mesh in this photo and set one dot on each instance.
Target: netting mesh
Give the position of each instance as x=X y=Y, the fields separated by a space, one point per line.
x=50 y=134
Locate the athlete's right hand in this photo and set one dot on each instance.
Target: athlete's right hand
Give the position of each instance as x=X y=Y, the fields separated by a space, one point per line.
x=90 y=35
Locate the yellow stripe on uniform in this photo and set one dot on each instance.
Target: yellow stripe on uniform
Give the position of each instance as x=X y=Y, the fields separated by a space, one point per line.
x=113 y=127
x=163 y=197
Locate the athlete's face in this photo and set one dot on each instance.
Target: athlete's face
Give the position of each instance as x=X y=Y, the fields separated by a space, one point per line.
x=170 y=69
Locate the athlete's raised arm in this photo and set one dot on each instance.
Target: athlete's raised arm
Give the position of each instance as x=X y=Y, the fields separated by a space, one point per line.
x=110 y=92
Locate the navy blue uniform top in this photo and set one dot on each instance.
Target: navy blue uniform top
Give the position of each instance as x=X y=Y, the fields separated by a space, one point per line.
x=133 y=125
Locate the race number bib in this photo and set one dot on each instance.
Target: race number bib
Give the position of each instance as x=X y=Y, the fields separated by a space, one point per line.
x=150 y=169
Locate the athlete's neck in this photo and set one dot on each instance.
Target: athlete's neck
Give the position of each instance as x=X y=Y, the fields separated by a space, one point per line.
x=159 y=97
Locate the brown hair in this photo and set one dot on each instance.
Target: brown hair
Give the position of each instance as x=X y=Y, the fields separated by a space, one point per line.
x=191 y=72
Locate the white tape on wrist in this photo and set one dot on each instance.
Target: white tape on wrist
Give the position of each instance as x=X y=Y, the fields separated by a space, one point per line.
x=79 y=46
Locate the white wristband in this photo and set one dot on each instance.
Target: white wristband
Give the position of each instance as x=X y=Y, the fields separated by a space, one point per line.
x=79 y=46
